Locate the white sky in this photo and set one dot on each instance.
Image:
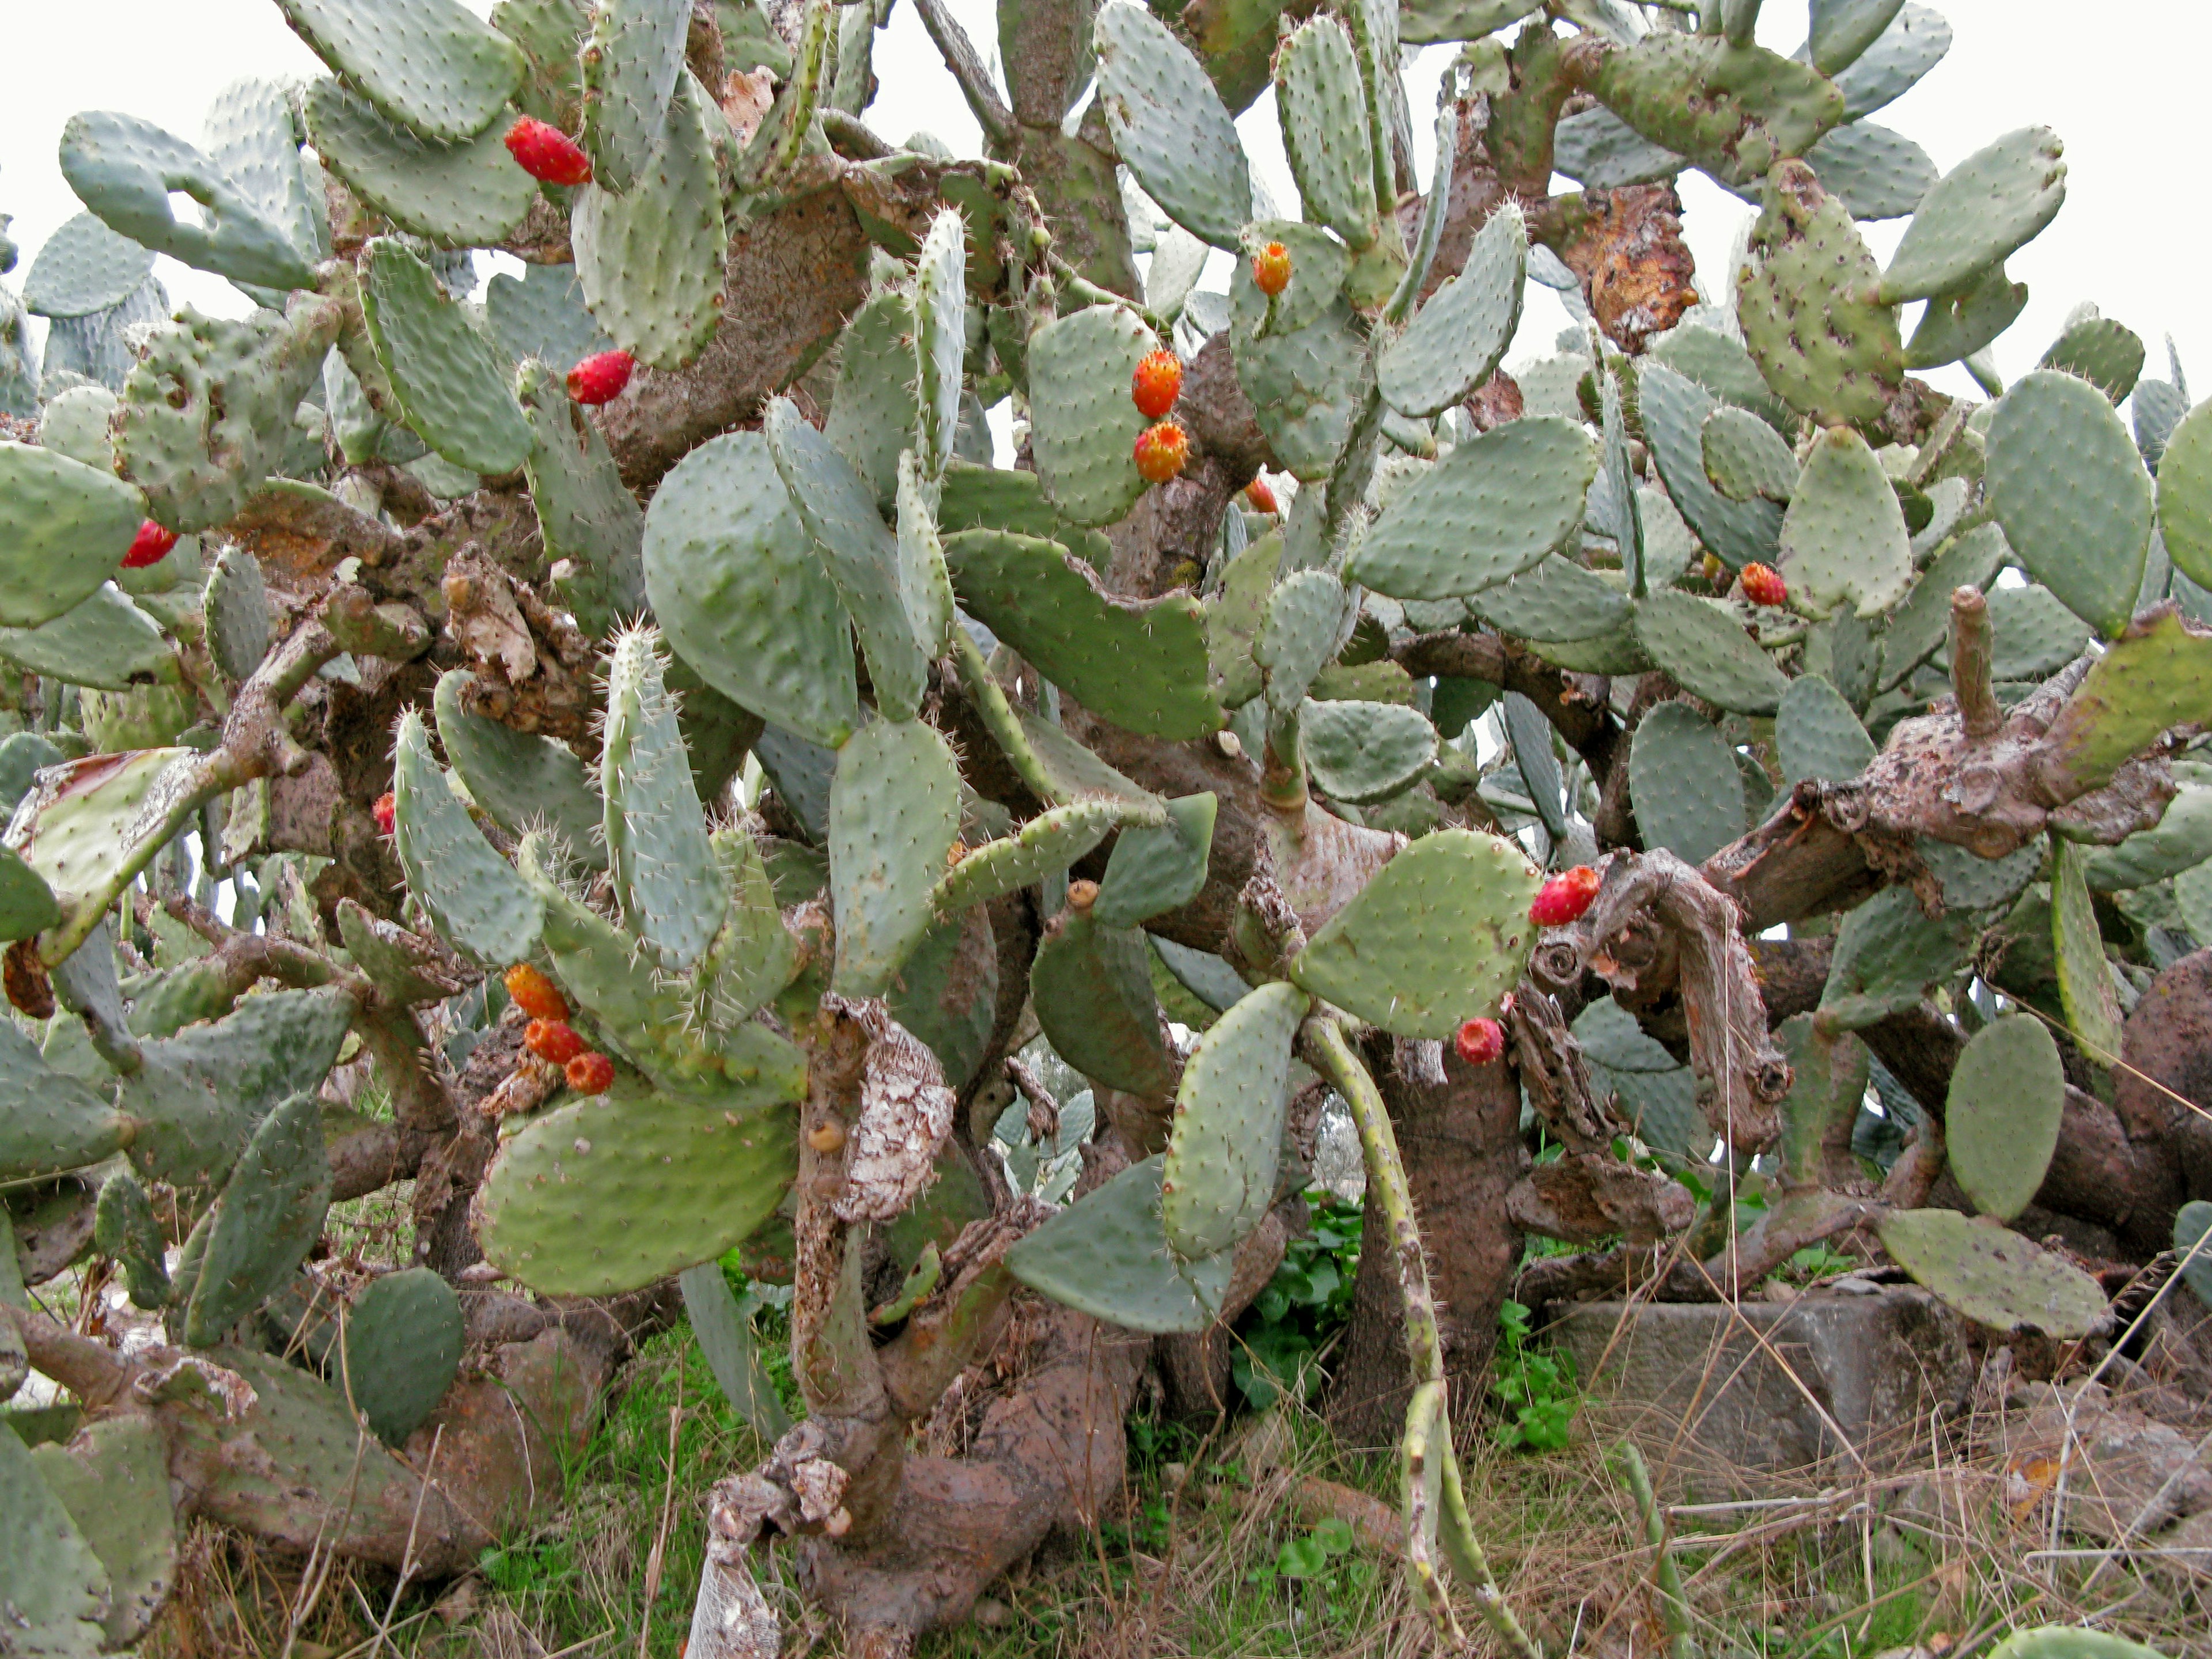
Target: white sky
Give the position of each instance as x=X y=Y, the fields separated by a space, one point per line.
x=2122 y=94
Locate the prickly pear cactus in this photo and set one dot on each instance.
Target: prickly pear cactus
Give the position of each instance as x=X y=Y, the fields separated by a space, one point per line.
x=647 y=722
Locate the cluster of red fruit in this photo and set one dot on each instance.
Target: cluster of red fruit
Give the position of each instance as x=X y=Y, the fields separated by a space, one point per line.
x=1560 y=900
x=1162 y=447
x=550 y=1035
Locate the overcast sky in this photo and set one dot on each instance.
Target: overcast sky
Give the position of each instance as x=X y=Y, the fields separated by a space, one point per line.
x=2122 y=95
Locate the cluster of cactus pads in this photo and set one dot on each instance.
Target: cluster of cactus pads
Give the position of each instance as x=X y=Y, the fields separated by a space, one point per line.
x=791 y=763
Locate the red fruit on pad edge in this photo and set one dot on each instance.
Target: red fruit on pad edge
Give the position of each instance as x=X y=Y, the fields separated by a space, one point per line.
x=547 y=154
x=1271 y=268
x=535 y=994
x=1157 y=384
x=554 y=1040
x=1763 y=585
x=590 y=1073
x=600 y=379
x=1161 y=451
x=1481 y=1041
x=1564 y=897
x=387 y=811
x=1259 y=497
x=149 y=546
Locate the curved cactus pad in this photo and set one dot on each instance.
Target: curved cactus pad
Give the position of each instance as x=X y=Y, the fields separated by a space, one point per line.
x=1226 y=1138
x=404 y=1337
x=894 y=815
x=2000 y=1127
x=471 y=894
x=1107 y=1254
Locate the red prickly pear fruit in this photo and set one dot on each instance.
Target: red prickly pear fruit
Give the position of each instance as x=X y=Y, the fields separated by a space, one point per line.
x=600 y=379
x=1479 y=1041
x=1763 y=585
x=1161 y=451
x=1564 y=897
x=1260 y=498
x=554 y=1040
x=149 y=546
x=590 y=1073
x=535 y=994
x=1157 y=384
x=1271 y=268
x=387 y=813
x=547 y=154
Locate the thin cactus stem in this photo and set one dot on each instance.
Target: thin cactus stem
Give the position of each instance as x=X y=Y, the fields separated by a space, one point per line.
x=1355 y=468
x=1673 y=1606
x=1972 y=650
x=1082 y=287
x=1282 y=769
x=999 y=719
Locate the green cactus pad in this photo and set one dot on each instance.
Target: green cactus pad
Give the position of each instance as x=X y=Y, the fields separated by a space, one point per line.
x=1843 y=540
x=107 y=643
x=1818 y=735
x=2067 y=1641
x=1529 y=736
x=1970 y=883
x=467 y=194
x=1154 y=871
x=235 y=612
x=940 y=339
x=1828 y=1082
x=1460 y=333
x=1977 y=214
x=2085 y=978
x=1918 y=628
x=987 y=498
x=2106 y=353
x=1142 y=665
x=1993 y=1276
x=734 y=578
x=1322 y=107
x=640 y=1012
x=1734 y=111
x=1091 y=986
x=1079 y=775
x=2001 y=1126
x=1052 y=840
x=894 y=815
x=1169 y=126
x=74 y=830
x=112 y=1477
x=839 y=511
x=74 y=425
x=590 y=523
x=250 y=131
x=49 y=1121
x=401 y=966
x=428 y=64
x=1720 y=364
x=125 y=170
x=1554 y=600
x=1805 y=297
x=123 y=1229
x=1842 y=29
x=1434 y=939
x=726 y=1338
x=207 y=412
x=52 y=1584
x=1887 y=953
x=2180 y=840
x=268 y=1218
x=1218 y=1177
x=1490 y=510
x=947 y=993
x=1874 y=171
x=1233 y=615
x=2034 y=634
x=1674 y=409
x=1303 y=624
x=651 y=259
x=64 y=527
x=2191 y=1223
x=1319 y=265
x=2064 y=480
x=1107 y=1254
x=1960 y=322
x=1082 y=424
x=520 y=779
x=543 y=315
x=872 y=416
x=631 y=67
x=1304 y=383
x=1684 y=784
x=667 y=877
x=1655 y=1091
x=1703 y=647
x=1745 y=460
x=2185 y=494
x=403 y=1336
x=83 y=268
x=925 y=582
x=448 y=375
x=1364 y=751
x=2150 y=679
x=471 y=893
x=611 y=1192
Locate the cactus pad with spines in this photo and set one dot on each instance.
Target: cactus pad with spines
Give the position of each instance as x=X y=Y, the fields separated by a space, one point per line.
x=1141 y=665
x=1674 y=409
x=991 y=498
x=1734 y=111
x=1219 y=1175
x=872 y=416
x=268 y=1216
x=839 y=511
x=124 y=1229
x=460 y=194
x=2001 y=1126
x=631 y=65
x=471 y=893
x=666 y=877
x=1704 y=647
x=1299 y=632
x=2085 y=980
x=104 y=642
x=2185 y=494
x=73 y=830
x=64 y=526
x=447 y=374
x=1683 y=783
x=947 y=993
x=521 y=779
x=1887 y=953
x=1304 y=382
x=1876 y=172
x=543 y=315
x=404 y=1337
x=83 y=268
x=1843 y=540
x=734 y=579
x=611 y=1192
x=589 y=522
x=1919 y=627
x=940 y=336
x=1322 y=107
x=1169 y=126
x=1977 y=214
x=1554 y=601
x=2180 y=840
x=54 y=1587
x=1746 y=459
x=1083 y=426
x=1364 y=751
x=1817 y=735
x=894 y=815
x=1491 y=509
x=1434 y=939
x=1805 y=297
x=235 y=611
x=2064 y=480
x=1152 y=871
x=1107 y=1254
x=1993 y=1276
x=2106 y=353
x=1051 y=841
x=428 y=64
x=49 y=1121
x=112 y=1477
x=1092 y=989
x=2034 y=634
x=1828 y=1082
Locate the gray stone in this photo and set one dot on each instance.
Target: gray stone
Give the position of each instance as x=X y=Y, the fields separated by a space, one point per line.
x=2125 y=1475
x=1771 y=1385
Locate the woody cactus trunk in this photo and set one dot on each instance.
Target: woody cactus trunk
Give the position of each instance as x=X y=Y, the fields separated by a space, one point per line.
x=681 y=787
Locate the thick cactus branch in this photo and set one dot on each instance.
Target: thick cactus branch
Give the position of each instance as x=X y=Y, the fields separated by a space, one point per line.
x=968 y=70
